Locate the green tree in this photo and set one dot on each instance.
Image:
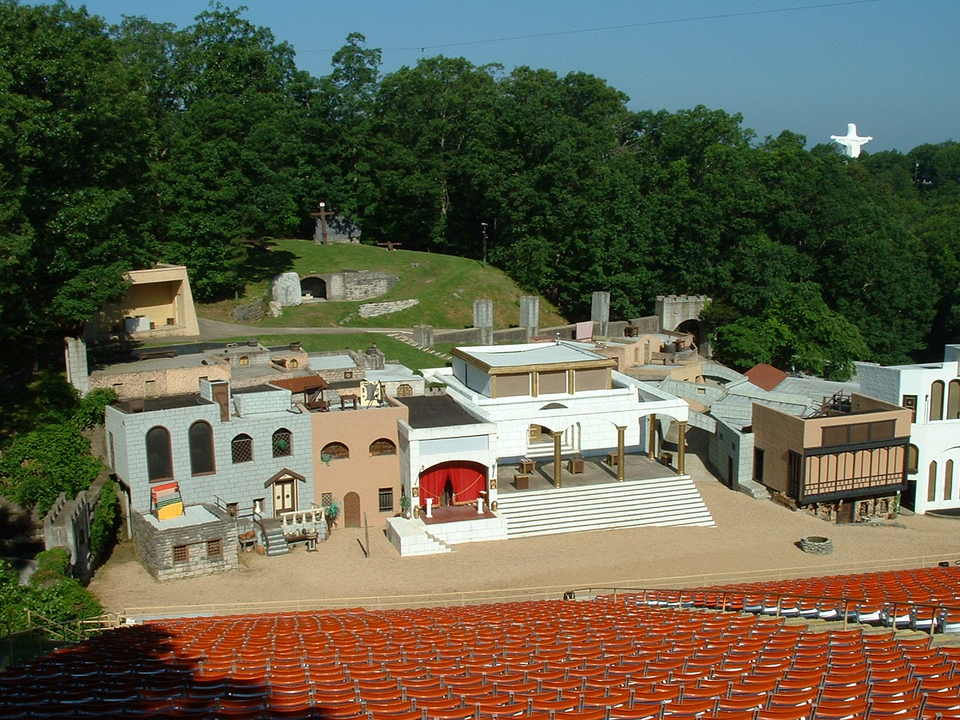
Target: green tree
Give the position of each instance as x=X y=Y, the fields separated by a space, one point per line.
x=796 y=331
x=73 y=174
x=38 y=465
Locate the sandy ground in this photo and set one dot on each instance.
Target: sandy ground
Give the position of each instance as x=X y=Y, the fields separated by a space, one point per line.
x=752 y=538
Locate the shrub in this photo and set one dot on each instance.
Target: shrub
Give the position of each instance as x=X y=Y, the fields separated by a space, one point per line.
x=53 y=566
x=36 y=466
x=103 y=529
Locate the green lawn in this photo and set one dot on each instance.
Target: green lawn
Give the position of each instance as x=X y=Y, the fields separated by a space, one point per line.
x=445 y=285
x=394 y=350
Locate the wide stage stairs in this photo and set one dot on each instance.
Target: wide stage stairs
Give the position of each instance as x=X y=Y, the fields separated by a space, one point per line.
x=670 y=501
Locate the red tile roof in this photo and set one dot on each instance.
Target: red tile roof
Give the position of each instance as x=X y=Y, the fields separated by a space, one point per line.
x=765 y=376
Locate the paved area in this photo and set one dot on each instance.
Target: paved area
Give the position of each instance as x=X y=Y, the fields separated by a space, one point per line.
x=753 y=538
x=214 y=329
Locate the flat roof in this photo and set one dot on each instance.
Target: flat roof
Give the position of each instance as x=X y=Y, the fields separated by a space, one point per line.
x=160 y=363
x=255 y=389
x=331 y=362
x=192 y=515
x=548 y=353
x=391 y=372
x=167 y=402
x=431 y=411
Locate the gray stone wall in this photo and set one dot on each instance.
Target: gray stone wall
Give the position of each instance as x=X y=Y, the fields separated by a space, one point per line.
x=155 y=546
x=67 y=525
x=75 y=356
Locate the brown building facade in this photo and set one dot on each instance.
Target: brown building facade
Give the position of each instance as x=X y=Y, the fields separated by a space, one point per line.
x=849 y=461
x=356 y=462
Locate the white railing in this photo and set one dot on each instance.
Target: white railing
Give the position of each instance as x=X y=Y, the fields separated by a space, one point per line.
x=295 y=522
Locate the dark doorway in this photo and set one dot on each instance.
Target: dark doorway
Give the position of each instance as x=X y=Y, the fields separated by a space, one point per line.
x=845 y=512
x=731 y=481
x=314 y=286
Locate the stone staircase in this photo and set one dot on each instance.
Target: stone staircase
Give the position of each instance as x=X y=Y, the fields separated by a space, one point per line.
x=407 y=339
x=274 y=540
x=633 y=503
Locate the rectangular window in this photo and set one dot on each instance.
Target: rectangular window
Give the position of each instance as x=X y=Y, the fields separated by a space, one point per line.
x=836 y=435
x=215 y=549
x=910 y=402
x=386 y=499
x=348 y=375
x=181 y=554
x=233 y=509
x=882 y=430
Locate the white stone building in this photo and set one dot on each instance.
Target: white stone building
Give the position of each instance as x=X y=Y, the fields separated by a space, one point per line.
x=932 y=391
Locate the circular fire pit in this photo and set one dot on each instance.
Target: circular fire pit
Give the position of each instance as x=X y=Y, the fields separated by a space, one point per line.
x=816 y=544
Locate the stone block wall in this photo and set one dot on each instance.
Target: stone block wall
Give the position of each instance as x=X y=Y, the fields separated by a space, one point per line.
x=67 y=525
x=155 y=546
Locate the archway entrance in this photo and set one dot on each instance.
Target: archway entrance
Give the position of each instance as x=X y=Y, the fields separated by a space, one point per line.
x=314 y=286
x=351 y=510
x=694 y=327
x=458 y=482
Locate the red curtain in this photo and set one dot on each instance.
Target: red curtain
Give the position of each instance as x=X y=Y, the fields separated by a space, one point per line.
x=467 y=483
x=431 y=484
x=467 y=480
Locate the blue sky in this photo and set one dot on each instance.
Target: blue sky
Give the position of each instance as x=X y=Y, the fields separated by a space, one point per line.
x=888 y=65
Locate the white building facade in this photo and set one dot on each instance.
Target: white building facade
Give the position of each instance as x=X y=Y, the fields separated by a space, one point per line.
x=932 y=392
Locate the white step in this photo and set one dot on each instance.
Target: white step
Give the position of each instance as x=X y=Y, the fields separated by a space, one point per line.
x=634 y=503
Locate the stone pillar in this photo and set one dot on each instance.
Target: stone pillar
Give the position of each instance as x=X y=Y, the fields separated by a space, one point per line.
x=620 y=431
x=483 y=319
x=600 y=313
x=651 y=436
x=423 y=335
x=75 y=356
x=557 y=467
x=681 y=447
x=530 y=315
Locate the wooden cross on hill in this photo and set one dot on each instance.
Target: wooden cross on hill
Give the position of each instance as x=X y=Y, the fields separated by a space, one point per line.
x=320 y=232
x=390 y=245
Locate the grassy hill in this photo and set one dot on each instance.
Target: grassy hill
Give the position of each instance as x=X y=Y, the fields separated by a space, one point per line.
x=445 y=285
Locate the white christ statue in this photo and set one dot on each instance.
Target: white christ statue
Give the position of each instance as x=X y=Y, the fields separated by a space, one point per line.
x=851 y=141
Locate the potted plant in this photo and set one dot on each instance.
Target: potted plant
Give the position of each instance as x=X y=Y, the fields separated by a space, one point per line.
x=330 y=514
x=405 y=506
x=326 y=458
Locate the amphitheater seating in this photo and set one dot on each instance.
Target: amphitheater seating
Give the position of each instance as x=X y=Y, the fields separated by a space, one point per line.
x=918 y=599
x=572 y=660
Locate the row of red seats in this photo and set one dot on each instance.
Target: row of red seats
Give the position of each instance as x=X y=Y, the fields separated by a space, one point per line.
x=568 y=660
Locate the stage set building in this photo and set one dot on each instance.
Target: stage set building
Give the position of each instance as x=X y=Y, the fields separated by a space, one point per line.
x=931 y=393
x=534 y=425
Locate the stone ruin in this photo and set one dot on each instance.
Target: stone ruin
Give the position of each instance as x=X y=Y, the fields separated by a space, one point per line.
x=290 y=289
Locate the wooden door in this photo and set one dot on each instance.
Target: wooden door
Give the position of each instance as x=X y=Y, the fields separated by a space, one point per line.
x=283 y=500
x=351 y=510
x=845 y=512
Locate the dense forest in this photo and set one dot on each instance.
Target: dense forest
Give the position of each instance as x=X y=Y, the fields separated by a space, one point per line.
x=124 y=145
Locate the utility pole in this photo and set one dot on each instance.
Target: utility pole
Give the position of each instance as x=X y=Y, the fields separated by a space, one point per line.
x=483 y=229
x=320 y=232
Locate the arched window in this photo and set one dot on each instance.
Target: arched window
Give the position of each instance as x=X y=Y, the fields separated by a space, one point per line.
x=244 y=361
x=913 y=456
x=948 y=480
x=335 y=451
x=293 y=364
x=282 y=443
x=383 y=446
x=404 y=390
x=159 y=459
x=932 y=482
x=200 y=436
x=241 y=449
x=936 y=400
x=953 y=400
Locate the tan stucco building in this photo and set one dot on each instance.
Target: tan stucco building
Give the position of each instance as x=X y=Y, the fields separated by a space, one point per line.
x=356 y=462
x=849 y=460
x=158 y=303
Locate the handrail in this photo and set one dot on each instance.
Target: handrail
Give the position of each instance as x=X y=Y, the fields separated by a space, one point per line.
x=937 y=608
x=54 y=627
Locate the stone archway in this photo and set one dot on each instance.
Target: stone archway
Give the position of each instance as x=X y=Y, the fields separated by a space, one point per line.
x=314 y=286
